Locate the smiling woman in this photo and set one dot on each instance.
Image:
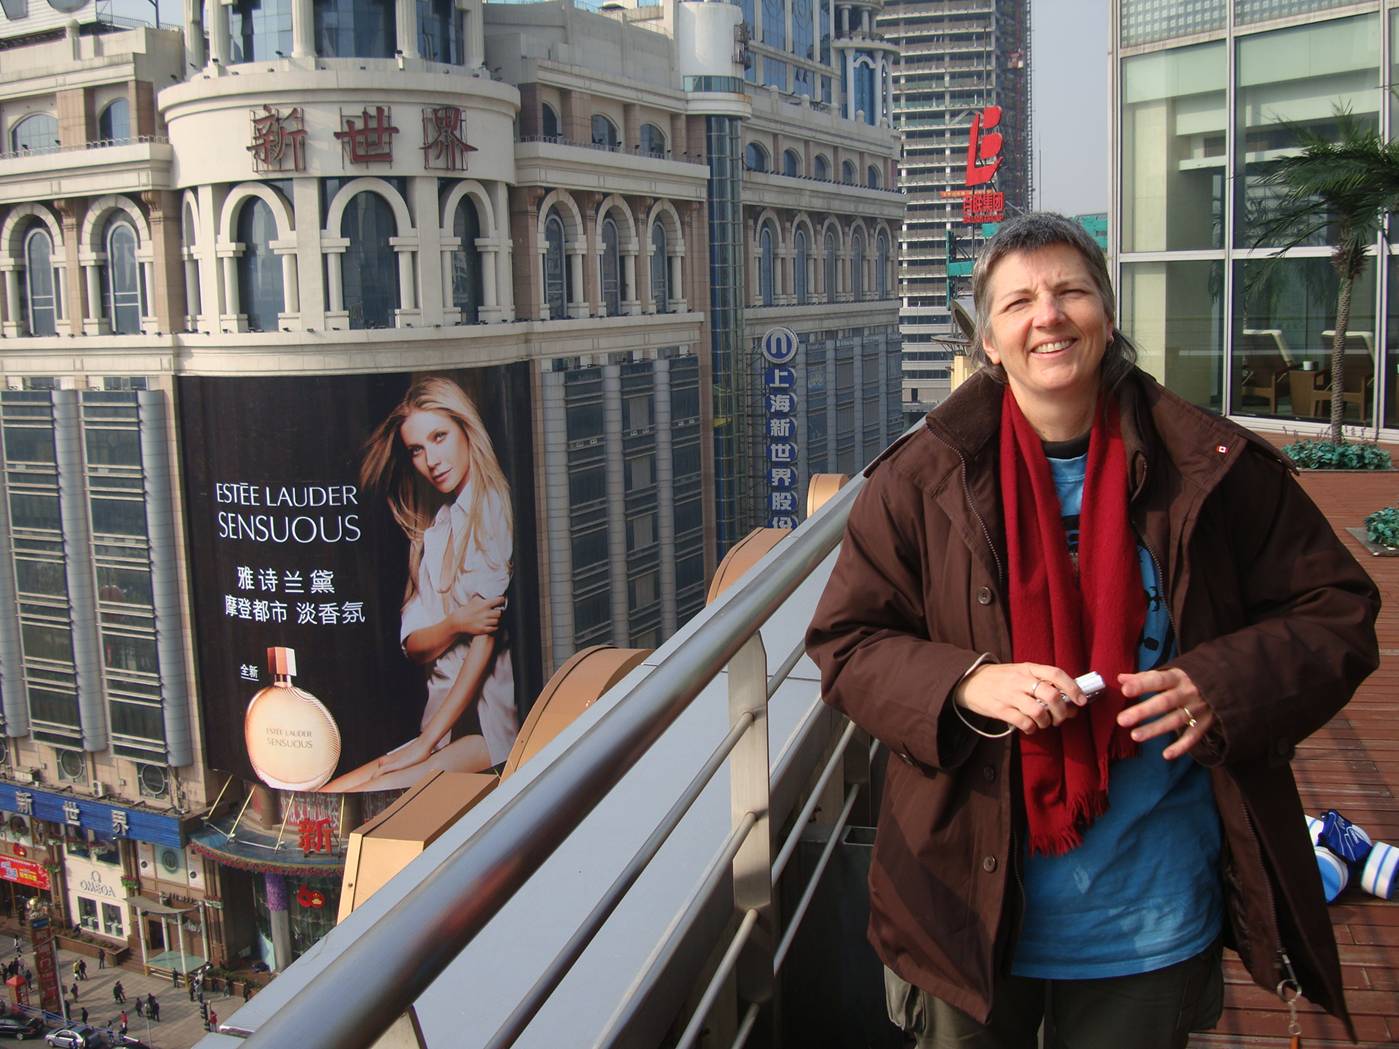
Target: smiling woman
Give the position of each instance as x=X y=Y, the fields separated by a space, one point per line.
x=1102 y=524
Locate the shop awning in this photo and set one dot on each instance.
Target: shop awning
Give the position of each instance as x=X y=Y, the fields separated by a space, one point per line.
x=146 y=905
x=253 y=849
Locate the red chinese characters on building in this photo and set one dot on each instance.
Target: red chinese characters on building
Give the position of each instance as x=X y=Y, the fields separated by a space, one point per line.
x=984 y=207
x=279 y=140
x=316 y=834
x=984 y=147
x=444 y=139
x=367 y=138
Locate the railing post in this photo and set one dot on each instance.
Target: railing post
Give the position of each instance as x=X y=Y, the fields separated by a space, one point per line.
x=750 y=779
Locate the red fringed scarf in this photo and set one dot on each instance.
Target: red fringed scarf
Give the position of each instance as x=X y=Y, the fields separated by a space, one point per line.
x=1092 y=623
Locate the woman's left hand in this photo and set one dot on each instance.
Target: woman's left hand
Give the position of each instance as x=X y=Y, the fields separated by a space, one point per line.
x=407 y=756
x=1176 y=703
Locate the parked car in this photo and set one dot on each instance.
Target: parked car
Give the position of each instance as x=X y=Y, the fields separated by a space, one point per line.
x=78 y=1038
x=19 y=1027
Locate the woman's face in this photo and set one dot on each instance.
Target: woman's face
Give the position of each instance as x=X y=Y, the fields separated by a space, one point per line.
x=1048 y=326
x=439 y=449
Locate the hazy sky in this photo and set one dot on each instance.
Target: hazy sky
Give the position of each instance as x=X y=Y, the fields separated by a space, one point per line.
x=1069 y=54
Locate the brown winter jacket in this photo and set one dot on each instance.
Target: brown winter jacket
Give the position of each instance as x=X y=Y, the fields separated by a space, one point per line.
x=1274 y=621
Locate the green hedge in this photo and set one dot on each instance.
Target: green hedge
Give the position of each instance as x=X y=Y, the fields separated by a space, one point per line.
x=1348 y=455
x=1382 y=527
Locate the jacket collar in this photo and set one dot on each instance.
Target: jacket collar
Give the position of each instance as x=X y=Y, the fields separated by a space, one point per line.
x=1200 y=446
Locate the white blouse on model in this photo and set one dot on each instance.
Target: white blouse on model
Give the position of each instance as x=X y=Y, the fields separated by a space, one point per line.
x=485 y=570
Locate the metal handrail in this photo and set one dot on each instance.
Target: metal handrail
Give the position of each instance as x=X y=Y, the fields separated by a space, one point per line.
x=418 y=937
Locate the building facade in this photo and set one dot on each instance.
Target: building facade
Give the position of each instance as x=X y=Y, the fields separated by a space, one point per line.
x=1206 y=97
x=227 y=251
x=956 y=57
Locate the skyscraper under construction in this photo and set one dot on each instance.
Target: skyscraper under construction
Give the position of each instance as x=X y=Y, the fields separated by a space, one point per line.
x=957 y=57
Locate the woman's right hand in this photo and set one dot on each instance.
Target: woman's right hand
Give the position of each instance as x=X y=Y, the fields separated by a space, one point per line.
x=480 y=615
x=1028 y=696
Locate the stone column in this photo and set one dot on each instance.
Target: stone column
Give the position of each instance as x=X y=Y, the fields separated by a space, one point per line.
x=527 y=267
x=310 y=276
x=93 y=321
x=217 y=25
x=228 y=256
x=73 y=292
x=194 y=36
x=631 y=126
x=291 y=292
x=631 y=302
x=645 y=295
x=15 y=325
x=615 y=466
x=303 y=29
x=474 y=30
x=406 y=22
x=505 y=284
x=276 y=887
x=166 y=291
x=577 y=254
x=592 y=270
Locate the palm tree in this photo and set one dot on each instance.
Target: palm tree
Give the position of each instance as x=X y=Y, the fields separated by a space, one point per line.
x=1348 y=185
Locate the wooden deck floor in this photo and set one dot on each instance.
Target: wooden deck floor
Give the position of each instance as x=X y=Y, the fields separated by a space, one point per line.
x=1351 y=765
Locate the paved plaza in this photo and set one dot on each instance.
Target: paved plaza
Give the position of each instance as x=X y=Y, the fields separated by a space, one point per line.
x=180 y=1025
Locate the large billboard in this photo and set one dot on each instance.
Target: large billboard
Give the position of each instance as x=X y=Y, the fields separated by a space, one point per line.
x=364 y=579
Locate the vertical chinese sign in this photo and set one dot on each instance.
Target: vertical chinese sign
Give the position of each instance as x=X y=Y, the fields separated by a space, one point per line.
x=46 y=963
x=779 y=349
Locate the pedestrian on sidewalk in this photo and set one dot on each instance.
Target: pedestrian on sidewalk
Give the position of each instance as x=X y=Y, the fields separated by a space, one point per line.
x=84 y=1015
x=77 y=971
x=174 y=977
x=101 y=957
x=118 y=993
x=153 y=1007
x=247 y=989
x=82 y=968
x=74 y=990
x=191 y=990
x=122 y=1028
x=140 y=1006
x=213 y=1020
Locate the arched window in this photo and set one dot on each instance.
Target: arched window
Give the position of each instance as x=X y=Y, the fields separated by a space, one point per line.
x=556 y=290
x=260 y=295
x=611 y=268
x=40 y=300
x=857 y=266
x=755 y=157
x=34 y=134
x=872 y=177
x=605 y=132
x=259 y=30
x=791 y=164
x=114 y=123
x=548 y=122
x=821 y=168
x=660 y=269
x=864 y=92
x=847 y=172
x=881 y=262
x=799 y=260
x=122 y=279
x=829 y=265
x=466 y=262
x=369 y=267
x=652 y=141
x=440 y=31
x=766 y=251
x=355 y=28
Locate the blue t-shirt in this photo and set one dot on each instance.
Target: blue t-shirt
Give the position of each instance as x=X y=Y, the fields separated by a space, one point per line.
x=1142 y=891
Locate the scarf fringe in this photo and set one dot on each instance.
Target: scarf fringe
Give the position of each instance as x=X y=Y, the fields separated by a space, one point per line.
x=1085 y=810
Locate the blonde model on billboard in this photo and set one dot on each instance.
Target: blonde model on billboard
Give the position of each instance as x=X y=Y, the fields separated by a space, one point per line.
x=434 y=459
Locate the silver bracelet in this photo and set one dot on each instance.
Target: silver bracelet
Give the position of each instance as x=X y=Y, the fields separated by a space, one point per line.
x=984 y=658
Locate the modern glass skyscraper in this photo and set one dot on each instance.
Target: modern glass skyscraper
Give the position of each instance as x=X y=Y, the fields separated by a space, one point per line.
x=956 y=58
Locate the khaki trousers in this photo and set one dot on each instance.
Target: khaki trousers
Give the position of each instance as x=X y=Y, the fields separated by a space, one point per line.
x=1155 y=1010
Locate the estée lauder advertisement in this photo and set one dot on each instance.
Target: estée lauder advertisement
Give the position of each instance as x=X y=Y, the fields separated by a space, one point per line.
x=365 y=588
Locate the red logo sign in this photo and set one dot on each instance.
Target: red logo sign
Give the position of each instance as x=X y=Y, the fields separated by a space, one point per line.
x=279 y=140
x=444 y=139
x=984 y=207
x=23 y=872
x=309 y=897
x=46 y=965
x=317 y=835
x=984 y=147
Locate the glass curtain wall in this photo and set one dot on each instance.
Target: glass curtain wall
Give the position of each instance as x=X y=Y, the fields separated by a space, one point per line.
x=1201 y=276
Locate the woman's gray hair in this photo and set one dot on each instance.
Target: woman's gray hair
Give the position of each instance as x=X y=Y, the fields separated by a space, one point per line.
x=1034 y=232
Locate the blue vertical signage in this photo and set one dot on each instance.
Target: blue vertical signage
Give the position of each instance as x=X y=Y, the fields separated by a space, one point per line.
x=779 y=348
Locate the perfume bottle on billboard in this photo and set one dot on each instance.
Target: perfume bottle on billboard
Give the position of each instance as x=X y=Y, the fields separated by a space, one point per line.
x=293 y=741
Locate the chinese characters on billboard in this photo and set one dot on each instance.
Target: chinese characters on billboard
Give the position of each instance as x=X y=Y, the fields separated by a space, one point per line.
x=779 y=348
x=362 y=560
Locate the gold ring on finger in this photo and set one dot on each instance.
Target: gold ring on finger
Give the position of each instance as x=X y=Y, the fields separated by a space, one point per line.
x=1189 y=717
